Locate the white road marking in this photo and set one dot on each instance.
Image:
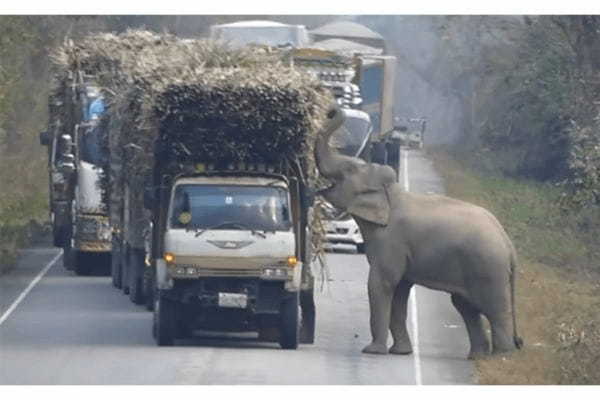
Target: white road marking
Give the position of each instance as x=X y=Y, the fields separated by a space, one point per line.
x=28 y=288
x=413 y=296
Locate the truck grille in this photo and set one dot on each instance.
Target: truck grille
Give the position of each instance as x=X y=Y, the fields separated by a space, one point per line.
x=342 y=231
x=237 y=272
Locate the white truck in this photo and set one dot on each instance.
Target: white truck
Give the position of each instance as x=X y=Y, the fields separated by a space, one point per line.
x=231 y=250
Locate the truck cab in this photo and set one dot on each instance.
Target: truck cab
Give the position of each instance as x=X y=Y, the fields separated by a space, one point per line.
x=230 y=257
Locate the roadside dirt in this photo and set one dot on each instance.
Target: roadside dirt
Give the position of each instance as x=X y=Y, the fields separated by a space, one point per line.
x=557 y=297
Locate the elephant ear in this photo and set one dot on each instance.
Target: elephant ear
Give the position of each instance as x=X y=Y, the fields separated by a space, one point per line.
x=372 y=204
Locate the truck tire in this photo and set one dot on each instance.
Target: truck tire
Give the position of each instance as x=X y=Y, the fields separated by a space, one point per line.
x=136 y=276
x=165 y=321
x=393 y=158
x=149 y=291
x=115 y=266
x=124 y=257
x=68 y=256
x=308 y=326
x=289 y=328
x=61 y=235
x=379 y=153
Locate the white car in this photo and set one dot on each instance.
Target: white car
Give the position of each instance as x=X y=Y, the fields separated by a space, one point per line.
x=342 y=230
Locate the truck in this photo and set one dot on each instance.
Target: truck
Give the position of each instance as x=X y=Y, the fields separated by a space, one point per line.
x=75 y=164
x=231 y=248
x=412 y=133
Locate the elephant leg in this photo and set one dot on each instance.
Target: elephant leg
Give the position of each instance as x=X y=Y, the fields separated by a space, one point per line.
x=496 y=308
x=480 y=345
x=380 y=304
x=402 y=343
x=502 y=332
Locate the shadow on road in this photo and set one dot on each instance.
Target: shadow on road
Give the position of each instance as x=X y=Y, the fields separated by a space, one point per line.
x=247 y=340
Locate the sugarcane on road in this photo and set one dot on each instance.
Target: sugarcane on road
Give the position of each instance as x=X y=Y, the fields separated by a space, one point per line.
x=56 y=328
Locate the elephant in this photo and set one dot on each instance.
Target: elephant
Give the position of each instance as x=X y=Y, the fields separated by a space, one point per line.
x=430 y=240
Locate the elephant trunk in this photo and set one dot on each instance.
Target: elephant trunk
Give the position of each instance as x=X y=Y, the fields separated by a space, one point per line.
x=327 y=158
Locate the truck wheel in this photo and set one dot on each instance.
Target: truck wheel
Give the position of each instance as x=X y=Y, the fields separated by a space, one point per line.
x=68 y=256
x=136 y=269
x=149 y=289
x=360 y=248
x=307 y=306
x=61 y=235
x=164 y=321
x=115 y=268
x=393 y=158
x=379 y=154
x=289 y=329
x=124 y=255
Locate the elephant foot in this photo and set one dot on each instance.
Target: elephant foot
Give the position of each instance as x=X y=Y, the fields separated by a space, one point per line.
x=375 y=348
x=306 y=336
x=498 y=351
x=478 y=355
x=402 y=349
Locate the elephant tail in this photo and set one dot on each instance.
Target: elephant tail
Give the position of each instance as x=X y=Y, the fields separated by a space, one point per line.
x=513 y=271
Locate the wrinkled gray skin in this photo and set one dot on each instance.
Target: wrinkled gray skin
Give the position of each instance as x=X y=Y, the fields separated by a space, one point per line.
x=430 y=240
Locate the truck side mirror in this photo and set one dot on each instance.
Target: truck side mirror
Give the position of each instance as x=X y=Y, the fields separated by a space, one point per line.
x=44 y=138
x=65 y=145
x=149 y=197
x=66 y=164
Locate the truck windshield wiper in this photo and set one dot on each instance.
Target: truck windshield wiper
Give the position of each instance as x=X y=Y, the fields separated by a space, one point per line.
x=233 y=224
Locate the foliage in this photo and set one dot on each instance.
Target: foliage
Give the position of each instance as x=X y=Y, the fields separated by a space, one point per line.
x=520 y=94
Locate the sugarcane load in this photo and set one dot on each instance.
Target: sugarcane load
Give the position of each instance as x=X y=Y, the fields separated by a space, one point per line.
x=207 y=180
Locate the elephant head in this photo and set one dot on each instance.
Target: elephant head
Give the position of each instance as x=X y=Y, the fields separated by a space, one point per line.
x=358 y=187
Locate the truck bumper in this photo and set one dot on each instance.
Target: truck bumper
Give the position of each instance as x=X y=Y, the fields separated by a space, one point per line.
x=92 y=233
x=92 y=246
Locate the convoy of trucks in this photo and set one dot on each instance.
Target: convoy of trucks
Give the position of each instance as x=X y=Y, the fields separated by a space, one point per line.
x=371 y=70
x=206 y=244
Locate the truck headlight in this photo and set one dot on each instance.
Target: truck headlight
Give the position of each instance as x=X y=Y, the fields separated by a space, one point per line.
x=276 y=273
x=169 y=258
x=105 y=232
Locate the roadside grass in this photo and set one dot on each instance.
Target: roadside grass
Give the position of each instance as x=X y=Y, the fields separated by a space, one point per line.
x=23 y=198
x=23 y=206
x=558 y=281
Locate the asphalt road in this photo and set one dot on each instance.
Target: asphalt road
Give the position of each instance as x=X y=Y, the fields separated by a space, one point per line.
x=56 y=328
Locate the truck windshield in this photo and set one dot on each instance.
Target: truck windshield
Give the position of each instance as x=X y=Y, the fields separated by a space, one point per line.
x=230 y=207
x=352 y=137
x=90 y=149
x=271 y=36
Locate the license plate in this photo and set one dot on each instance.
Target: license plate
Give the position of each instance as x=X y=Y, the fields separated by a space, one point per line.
x=233 y=300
